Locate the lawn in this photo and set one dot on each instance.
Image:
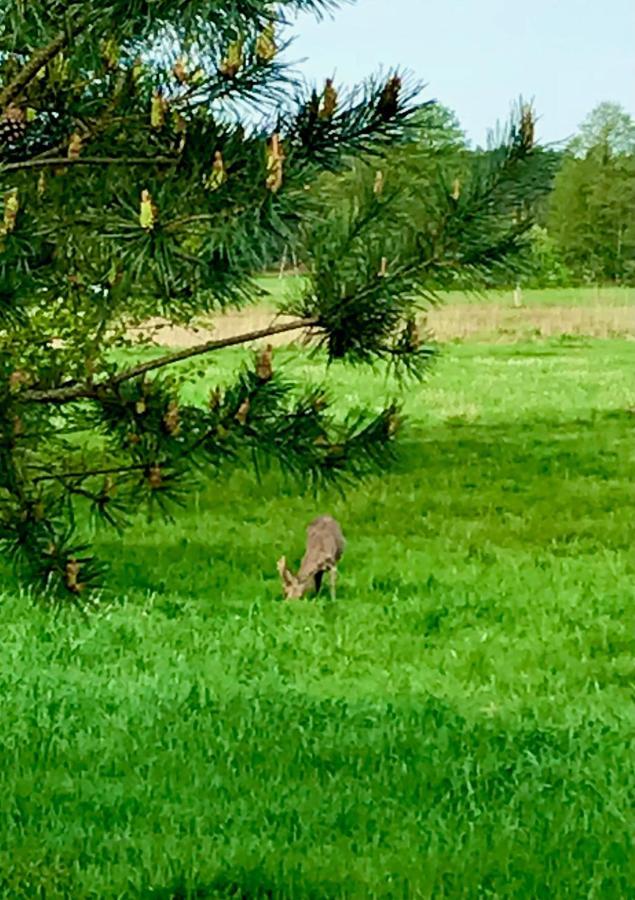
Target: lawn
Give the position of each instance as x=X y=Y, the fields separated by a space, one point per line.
x=459 y=723
x=606 y=295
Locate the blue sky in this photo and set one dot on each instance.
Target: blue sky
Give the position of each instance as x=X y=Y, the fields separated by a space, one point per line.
x=478 y=56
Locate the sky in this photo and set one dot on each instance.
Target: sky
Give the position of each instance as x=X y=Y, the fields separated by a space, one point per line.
x=479 y=56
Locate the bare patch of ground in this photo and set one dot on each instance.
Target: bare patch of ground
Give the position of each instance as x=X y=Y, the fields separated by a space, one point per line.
x=496 y=322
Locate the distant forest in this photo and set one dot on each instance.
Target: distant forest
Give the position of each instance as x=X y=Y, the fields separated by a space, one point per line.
x=585 y=230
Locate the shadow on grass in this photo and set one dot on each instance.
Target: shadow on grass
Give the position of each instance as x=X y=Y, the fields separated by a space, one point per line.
x=378 y=778
x=543 y=486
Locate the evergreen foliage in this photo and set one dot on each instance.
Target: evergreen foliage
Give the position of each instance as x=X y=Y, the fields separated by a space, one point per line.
x=136 y=184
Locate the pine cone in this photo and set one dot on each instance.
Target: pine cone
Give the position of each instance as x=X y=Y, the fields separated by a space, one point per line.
x=179 y=70
x=215 y=399
x=231 y=64
x=22 y=136
x=13 y=127
x=72 y=574
x=388 y=104
x=275 y=162
x=264 y=367
x=243 y=410
x=329 y=100
x=527 y=127
x=171 y=419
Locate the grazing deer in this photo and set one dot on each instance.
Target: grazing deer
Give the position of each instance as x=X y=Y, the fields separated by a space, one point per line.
x=324 y=547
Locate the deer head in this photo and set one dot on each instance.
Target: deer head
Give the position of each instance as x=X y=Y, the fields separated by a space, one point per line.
x=292 y=587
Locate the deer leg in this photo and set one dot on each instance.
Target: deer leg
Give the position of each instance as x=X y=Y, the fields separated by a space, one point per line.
x=332 y=580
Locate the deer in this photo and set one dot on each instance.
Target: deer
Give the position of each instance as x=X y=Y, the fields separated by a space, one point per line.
x=325 y=545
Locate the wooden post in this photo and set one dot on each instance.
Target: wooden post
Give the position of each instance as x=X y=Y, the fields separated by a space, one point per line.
x=518 y=295
x=283 y=262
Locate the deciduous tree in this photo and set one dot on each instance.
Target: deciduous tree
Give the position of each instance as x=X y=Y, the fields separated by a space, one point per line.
x=591 y=212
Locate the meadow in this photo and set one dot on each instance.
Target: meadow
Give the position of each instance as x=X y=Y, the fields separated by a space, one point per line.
x=460 y=722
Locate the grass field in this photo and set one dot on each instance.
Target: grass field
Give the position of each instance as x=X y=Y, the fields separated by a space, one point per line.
x=459 y=723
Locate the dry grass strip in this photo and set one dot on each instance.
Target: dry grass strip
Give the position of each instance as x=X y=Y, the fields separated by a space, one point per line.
x=491 y=322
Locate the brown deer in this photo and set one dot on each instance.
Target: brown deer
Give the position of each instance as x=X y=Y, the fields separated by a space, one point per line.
x=324 y=548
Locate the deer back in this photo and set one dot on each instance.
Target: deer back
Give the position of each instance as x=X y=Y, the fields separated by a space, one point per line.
x=324 y=546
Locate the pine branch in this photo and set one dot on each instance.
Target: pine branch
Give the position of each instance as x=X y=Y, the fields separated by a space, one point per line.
x=210 y=346
x=89 y=473
x=90 y=161
x=37 y=62
x=73 y=393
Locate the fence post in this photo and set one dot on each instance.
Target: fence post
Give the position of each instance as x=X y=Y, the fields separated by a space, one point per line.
x=283 y=262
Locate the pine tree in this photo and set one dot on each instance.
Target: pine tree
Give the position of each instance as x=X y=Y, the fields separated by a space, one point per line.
x=137 y=182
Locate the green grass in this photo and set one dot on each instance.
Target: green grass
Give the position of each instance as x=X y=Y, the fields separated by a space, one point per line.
x=545 y=297
x=459 y=723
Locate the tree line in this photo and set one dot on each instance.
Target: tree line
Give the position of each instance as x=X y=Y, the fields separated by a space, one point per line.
x=587 y=233
x=584 y=228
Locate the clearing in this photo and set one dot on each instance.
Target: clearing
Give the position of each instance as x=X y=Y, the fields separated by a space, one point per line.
x=460 y=723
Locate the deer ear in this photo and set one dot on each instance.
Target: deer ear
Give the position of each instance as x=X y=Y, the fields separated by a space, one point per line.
x=285 y=574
